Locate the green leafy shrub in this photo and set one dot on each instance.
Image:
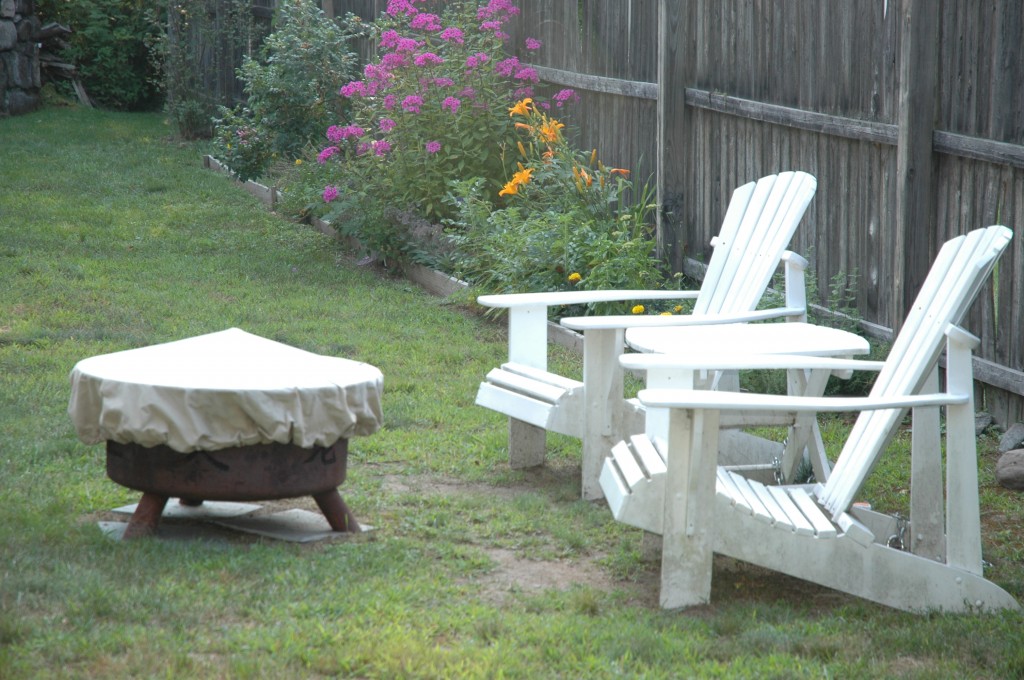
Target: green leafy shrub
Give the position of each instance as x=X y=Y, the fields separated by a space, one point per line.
x=242 y=144
x=563 y=222
x=292 y=93
x=433 y=107
x=109 y=45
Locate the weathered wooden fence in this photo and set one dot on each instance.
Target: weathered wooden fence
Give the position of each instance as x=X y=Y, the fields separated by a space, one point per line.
x=209 y=42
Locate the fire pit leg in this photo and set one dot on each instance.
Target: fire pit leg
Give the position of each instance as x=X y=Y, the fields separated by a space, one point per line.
x=146 y=516
x=337 y=513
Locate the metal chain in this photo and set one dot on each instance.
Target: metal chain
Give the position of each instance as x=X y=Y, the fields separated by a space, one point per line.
x=896 y=541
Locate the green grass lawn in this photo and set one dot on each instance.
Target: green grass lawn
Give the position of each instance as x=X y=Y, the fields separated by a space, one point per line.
x=112 y=237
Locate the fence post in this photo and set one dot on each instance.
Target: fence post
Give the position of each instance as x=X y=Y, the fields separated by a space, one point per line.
x=915 y=229
x=674 y=69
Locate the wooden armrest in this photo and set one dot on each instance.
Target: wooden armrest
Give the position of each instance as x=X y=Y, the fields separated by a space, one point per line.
x=732 y=361
x=794 y=260
x=739 y=401
x=581 y=297
x=582 y=323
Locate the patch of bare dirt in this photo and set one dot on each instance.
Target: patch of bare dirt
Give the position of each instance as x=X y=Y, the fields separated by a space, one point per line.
x=516 y=574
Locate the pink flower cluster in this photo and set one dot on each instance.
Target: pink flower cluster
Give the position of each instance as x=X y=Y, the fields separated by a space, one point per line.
x=563 y=97
x=476 y=60
x=336 y=133
x=426 y=22
x=412 y=103
x=427 y=59
x=451 y=104
x=325 y=154
x=494 y=15
x=400 y=7
x=504 y=9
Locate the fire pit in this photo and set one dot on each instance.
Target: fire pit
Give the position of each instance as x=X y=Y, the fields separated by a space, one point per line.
x=225 y=416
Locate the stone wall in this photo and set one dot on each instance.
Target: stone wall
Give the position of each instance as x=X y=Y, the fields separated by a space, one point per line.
x=19 y=57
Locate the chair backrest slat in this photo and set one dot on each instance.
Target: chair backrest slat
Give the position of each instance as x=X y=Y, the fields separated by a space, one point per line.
x=960 y=271
x=759 y=224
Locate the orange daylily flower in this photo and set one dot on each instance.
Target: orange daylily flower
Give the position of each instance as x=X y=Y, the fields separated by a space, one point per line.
x=522 y=177
x=521 y=108
x=549 y=131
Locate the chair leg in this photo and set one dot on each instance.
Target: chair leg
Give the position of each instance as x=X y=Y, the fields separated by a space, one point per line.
x=527 y=444
x=687 y=551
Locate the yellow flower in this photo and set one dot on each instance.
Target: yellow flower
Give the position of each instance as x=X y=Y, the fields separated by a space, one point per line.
x=665 y=314
x=638 y=309
x=510 y=189
x=521 y=108
x=677 y=309
x=524 y=126
x=586 y=178
x=298 y=161
x=575 y=277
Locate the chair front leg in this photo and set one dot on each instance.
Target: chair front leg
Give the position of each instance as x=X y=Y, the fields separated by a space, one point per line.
x=689 y=503
x=603 y=403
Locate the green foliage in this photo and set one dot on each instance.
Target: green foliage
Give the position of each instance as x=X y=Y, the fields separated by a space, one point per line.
x=242 y=143
x=563 y=223
x=109 y=45
x=292 y=92
x=432 y=108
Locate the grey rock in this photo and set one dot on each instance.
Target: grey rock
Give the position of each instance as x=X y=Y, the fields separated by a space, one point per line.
x=1010 y=470
x=982 y=421
x=8 y=35
x=27 y=28
x=8 y=9
x=20 y=102
x=1012 y=438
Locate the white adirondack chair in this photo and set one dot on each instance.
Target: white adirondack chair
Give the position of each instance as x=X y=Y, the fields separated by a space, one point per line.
x=817 y=533
x=758 y=225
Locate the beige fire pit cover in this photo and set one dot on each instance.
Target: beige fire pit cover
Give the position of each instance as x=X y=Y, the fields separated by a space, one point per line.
x=220 y=390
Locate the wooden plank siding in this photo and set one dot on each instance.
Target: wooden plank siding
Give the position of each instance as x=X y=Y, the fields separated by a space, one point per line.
x=711 y=94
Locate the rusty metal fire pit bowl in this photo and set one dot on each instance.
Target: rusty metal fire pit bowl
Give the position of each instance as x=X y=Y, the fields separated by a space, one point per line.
x=246 y=473
x=228 y=416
